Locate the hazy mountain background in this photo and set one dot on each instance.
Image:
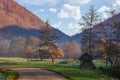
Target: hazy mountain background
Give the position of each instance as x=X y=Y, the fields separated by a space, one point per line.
x=17 y=21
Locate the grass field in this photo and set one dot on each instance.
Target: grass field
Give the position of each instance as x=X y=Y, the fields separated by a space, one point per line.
x=70 y=70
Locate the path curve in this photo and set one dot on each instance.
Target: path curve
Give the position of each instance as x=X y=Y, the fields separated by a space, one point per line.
x=36 y=74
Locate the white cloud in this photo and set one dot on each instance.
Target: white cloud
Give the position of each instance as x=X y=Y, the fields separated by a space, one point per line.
x=69 y=11
x=77 y=2
x=71 y=29
x=41 y=2
x=118 y=2
x=58 y=25
x=37 y=2
x=40 y=10
x=116 y=5
x=53 y=10
x=74 y=27
x=103 y=10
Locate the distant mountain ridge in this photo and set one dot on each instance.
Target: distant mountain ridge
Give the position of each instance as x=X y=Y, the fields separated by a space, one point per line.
x=16 y=20
x=105 y=28
x=100 y=30
x=77 y=37
x=9 y=32
x=103 y=34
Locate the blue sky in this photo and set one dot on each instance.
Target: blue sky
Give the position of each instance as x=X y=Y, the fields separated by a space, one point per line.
x=65 y=14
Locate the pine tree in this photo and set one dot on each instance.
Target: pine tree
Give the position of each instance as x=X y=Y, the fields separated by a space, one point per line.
x=88 y=21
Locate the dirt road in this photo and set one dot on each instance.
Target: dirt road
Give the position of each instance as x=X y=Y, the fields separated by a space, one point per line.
x=37 y=74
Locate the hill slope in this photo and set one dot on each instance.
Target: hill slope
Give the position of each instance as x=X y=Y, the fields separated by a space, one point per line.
x=11 y=13
x=102 y=34
x=16 y=20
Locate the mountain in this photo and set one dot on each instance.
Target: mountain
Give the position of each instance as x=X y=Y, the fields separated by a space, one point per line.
x=62 y=36
x=77 y=37
x=103 y=34
x=106 y=28
x=100 y=30
x=10 y=31
x=16 y=20
x=11 y=13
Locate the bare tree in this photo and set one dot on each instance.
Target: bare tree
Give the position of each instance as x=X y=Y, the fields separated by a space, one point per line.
x=47 y=42
x=16 y=45
x=111 y=39
x=72 y=51
x=4 y=47
x=27 y=52
x=33 y=41
x=89 y=20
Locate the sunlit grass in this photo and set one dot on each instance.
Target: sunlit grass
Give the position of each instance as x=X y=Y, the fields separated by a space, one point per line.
x=10 y=59
x=70 y=70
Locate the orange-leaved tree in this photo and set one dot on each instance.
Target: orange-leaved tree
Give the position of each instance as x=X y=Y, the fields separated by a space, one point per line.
x=48 y=43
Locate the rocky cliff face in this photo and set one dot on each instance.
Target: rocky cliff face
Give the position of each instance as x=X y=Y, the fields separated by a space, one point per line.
x=11 y=13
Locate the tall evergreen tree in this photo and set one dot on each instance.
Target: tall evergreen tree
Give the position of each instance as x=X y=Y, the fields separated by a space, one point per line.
x=88 y=21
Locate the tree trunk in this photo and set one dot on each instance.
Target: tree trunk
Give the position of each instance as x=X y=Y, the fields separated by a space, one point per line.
x=90 y=43
x=52 y=57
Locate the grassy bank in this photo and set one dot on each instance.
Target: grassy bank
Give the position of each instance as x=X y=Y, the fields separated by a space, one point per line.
x=8 y=74
x=70 y=71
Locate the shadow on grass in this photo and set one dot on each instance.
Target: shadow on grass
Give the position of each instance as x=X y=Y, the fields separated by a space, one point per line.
x=79 y=74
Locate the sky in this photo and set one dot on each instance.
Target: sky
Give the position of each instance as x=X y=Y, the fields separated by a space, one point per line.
x=66 y=14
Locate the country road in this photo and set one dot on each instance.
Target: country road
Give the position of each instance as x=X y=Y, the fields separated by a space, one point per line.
x=36 y=74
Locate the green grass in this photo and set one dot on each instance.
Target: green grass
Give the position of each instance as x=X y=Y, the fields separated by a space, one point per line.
x=3 y=77
x=10 y=59
x=8 y=74
x=70 y=71
x=79 y=74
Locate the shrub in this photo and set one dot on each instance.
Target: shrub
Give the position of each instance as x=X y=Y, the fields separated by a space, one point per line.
x=111 y=71
x=11 y=75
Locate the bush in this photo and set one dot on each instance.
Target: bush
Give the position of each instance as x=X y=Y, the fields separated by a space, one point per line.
x=11 y=75
x=63 y=62
x=111 y=71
